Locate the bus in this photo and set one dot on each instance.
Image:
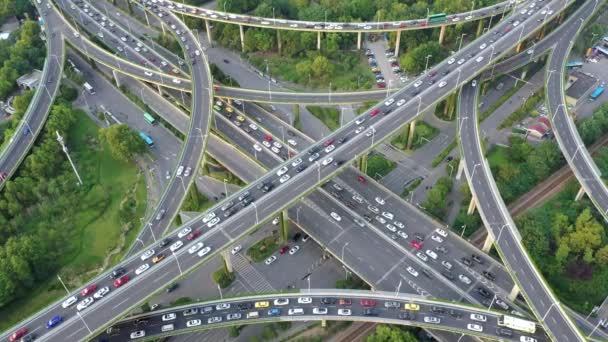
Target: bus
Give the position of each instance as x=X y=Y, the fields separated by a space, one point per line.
x=574 y=65
x=516 y=324
x=149 y=118
x=435 y=18
x=146 y=138
x=596 y=93
x=88 y=88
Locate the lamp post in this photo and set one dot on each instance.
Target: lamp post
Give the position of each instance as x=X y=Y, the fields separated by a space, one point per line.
x=426 y=66
x=343 y=247
x=461 y=39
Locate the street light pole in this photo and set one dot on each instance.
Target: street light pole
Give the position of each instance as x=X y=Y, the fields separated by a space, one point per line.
x=65 y=150
x=426 y=66
x=343 y=247
x=225 y=187
x=461 y=39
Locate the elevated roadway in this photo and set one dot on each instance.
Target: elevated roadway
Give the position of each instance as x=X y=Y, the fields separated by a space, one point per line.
x=265 y=205
x=35 y=116
x=496 y=218
x=364 y=306
x=566 y=133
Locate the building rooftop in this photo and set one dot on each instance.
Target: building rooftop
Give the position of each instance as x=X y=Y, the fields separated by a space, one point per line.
x=31 y=80
x=578 y=84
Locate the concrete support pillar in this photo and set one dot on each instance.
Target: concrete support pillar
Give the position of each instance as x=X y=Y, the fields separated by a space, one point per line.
x=519 y=47
x=227 y=262
x=359 y=40
x=242 y=38
x=442 y=34
x=162 y=26
x=160 y=89
x=116 y=78
x=208 y=31
x=541 y=33
x=560 y=17
x=284 y=225
x=410 y=136
x=523 y=76
x=363 y=163
x=514 y=292
x=397 y=43
x=472 y=206
x=480 y=25
x=579 y=194
x=488 y=243
x=279 y=44
x=323 y=323
x=460 y=169
x=319 y=40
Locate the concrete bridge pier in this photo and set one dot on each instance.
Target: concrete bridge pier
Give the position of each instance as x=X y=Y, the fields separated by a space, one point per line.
x=460 y=169
x=410 y=136
x=227 y=261
x=514 y=292
x=160 y=89
x=472 y=206
x=487 y=244
x=442 y=34
x=115 y=74
x=579 y=194
x=397 y=43
x=359 y=40
x=242 y=38
x=319 y=40
x=284 y=225
x=279 y=44
x=208 y=29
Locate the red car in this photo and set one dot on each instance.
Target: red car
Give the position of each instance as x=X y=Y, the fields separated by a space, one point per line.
x=328 y=142
x=18 y=334
x=284 y=249
x=361 y=179
x=381 y=85
x=193 y=235
x=416 y=244
x=374 y=112
x=268 y=137
x=432 y=73
x=345 y=302
x=121 y=281
x=3 y=176
x=368 y=302
x=423 y=23
x=88 y=290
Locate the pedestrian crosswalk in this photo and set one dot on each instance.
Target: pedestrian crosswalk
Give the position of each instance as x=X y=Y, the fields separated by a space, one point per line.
x=251 y=278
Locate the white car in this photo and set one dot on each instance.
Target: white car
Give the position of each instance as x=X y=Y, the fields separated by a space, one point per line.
x=446 y=264
x=197 y=246
x=284 y=179
x=431 y=254
x=482 y=46
x=294 y=250
x=208 y=217
x=176 y=81
x=281 y=301
x=399 y=224
x=380 y=200
x=213 y=222
x=177 y=245
x=437 y=238
x=282 y=171
x=222 y=306
x=389 y=102
x=344 y=312
x=236 y=249
x=475 y=327
x=391 y=227
x=421 y=256
x=101 y=292
x=359 y=129
x=270 y=260
x=137 y=334
x=85 y=303
x=169 y=317
x=330 y=148
x=432 y=320
x=460 y=61
x=292 y=142
x=400 y=102
x=204 y=251
x=527 y=339
x=402 y=234
x=442 y=84
x=388 y=215
x=147 y=254
x=193 y=323
x=257 y=147
x=335 y=216
x=359 y=121
x=69 y=302
x=479 y=59
x=464 y=279
x=296 y=162
x=380 y=219
x=358 y=199
x=441 y=232
x=327 y=161
x=451 y=60
x=304 y=300
x=371 y=132
x=147 y=73
x=418 y=84
x=319 y=311
x=180 y=169
x=478 y=317
x=474 y=83
x=233 y=316
x=141 y=269
x=412 y=271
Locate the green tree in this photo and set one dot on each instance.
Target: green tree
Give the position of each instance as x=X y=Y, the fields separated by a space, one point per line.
x=601 y=256
x=389 y=333
x=320 y=66
x=124 y=142
x=415 y=60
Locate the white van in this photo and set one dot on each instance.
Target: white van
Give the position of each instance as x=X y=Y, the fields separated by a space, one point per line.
x=295 y=311
x=167 y=327
x=253 y=314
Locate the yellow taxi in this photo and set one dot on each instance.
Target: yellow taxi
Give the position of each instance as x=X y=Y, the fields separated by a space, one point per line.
x=411 y=307
x=240 y=118
x=260 y=305
x=158 y=258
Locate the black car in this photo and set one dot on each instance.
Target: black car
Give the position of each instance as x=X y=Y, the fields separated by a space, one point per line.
x=419 y=237
x=117 y=273
x=247 y=201
x=437 y=309
x=300 y=168
x=342 y=140
x=466 y=261
x=265 y=187
x=369 y=312
x=448 y=275
x=338 y=162
x=246 y=306
x=477 y=259
x=314 y=150
x=164 y=242
x=206 y=310
x=367 y=218
x=427 y=273
x=140 y=321
x=483 y=292
x=410 y=316
x=504 y=332
x=489 y=275
x=229 y=212
x=441 y=249
x=455 y=313
x=172 y=287
x=328 y=300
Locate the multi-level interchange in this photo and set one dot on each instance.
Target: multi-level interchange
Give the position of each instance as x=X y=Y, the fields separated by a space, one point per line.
x=302 y=177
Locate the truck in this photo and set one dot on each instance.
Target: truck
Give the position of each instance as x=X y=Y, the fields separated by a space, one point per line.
x=597 y=92
x=516 y=324
x=89 y=88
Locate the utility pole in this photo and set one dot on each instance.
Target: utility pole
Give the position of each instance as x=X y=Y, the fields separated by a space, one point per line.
x=65 y=149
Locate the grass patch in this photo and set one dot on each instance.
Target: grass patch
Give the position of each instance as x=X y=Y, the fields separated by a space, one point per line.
x=526 y=109
x=223 y=278
x=329 y=116
x=411 y=187
x=423 y=133
x=378 y=166
x=498 y=155
x=264 y=248
x=98 y=222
